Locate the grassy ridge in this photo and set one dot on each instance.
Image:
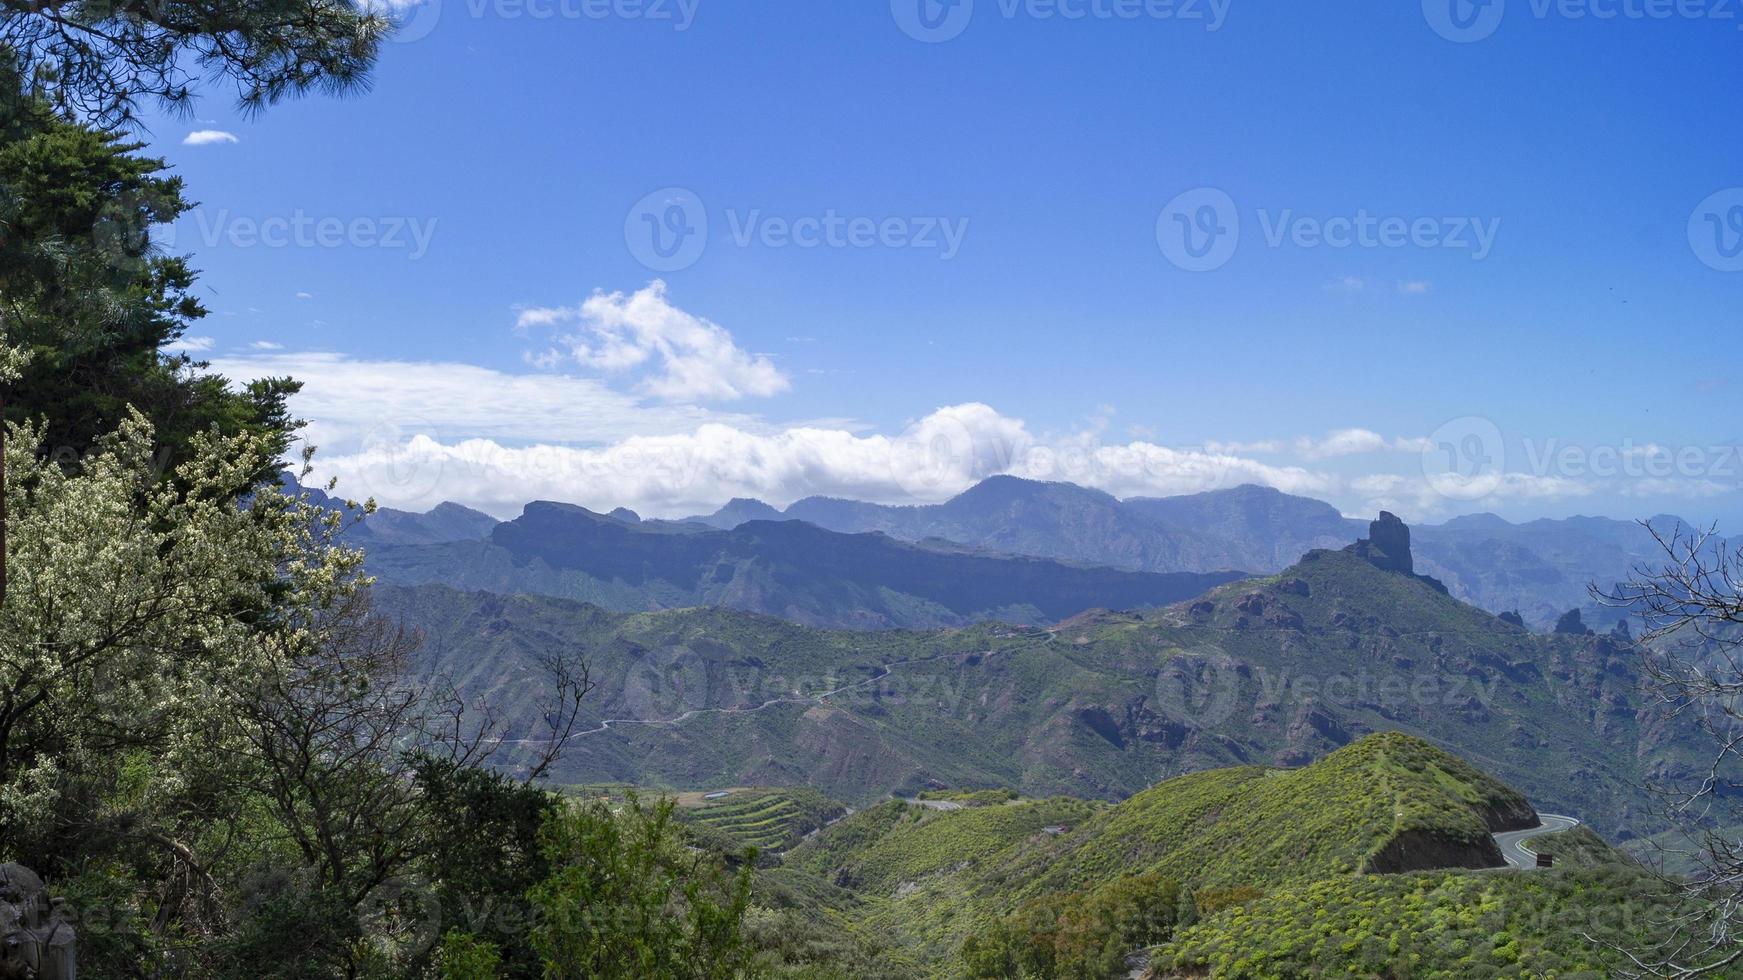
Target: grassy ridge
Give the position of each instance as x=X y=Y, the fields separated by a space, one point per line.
x=930 y=878
x=1383 y=799
x=1472 y=925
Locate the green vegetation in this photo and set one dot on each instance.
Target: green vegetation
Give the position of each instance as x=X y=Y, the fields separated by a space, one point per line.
x=626 y=900
x=770 y=820
x=1428 y=925
x=1273 y=672
x=1368 y=807
x=970 y=797
x=1014 y=879
x=90 y=303
x=1087 y=934
x=211 y=743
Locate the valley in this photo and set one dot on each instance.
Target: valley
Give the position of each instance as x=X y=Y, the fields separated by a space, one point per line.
x=1280 y=670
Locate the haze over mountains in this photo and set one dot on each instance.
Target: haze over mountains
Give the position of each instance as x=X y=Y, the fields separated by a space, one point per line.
x=787 y=568
x=1541 y=568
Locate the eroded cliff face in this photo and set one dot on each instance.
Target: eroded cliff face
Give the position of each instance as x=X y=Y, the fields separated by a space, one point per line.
x=1420 y=850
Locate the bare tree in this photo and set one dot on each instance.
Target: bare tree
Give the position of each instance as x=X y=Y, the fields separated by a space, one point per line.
x=1690 y=603
x=338 y=734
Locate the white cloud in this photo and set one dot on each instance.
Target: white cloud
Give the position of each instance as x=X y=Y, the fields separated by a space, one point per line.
x=1414 y=287
x=189 y=345
x=1688 y=487
x=266 y=345
x=351 y=402
x=1268 y=446
x=1347 y=284
x=1415 y=497
x=679 y=356
x=305 y=296
x=1352 y=442
x=672 y=461
x=208 y=137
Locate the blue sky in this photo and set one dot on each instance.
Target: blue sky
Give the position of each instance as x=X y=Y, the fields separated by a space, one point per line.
x=1001 y=291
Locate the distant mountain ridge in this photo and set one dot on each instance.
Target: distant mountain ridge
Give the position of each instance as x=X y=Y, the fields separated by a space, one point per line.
x=789 y=569
x=1541 y=568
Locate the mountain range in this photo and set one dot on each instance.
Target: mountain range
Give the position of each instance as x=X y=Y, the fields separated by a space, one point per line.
x=789 y=569
x=1278 y=671
x=1540 y=569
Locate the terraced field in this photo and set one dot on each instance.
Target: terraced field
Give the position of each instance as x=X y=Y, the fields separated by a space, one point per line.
x=771 y=820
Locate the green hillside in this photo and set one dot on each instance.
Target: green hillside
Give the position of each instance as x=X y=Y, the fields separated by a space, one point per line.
x=1386 y=803
x=1463 y=925
x=1276 y=671
x=770 y=820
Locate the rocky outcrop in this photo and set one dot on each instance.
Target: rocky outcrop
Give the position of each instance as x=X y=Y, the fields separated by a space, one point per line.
x=1571 y=624
x=34 y=940
x=1391 y=539
x=1422 y=850
x=1387 y=545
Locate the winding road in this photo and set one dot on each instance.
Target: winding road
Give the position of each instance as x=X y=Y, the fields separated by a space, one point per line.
x=1512 y=843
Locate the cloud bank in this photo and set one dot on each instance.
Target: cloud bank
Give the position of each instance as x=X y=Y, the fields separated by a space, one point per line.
x=636 y=426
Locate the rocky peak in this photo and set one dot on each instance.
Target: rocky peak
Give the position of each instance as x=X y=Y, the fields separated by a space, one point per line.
x=1572 y=624
x=1387 y=545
